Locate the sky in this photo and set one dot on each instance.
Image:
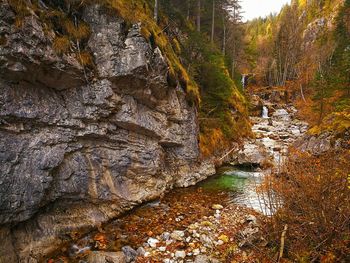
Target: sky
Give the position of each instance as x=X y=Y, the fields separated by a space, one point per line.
x=256 y=8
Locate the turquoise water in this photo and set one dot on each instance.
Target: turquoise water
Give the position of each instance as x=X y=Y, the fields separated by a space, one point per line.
x=225 y=181
x=240 y=186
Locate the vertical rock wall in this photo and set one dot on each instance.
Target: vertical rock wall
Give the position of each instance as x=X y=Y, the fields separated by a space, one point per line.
x=76 y=153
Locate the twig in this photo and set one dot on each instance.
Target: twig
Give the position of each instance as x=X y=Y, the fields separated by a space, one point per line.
x=283 y=237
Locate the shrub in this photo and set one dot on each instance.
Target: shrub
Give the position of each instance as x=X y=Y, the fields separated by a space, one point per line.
x=312 y=197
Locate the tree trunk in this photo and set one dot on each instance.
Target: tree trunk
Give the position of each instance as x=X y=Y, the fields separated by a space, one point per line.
x=199 y=15
x=224 y=38
x=213 y=23
x=156 y=10
x=188 y=9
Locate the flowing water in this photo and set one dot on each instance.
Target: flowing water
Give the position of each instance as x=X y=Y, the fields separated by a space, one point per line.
x=180 y=208
x=265 y=112
x=241 y=186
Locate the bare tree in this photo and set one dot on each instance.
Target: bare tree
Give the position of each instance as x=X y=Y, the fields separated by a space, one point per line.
x=199 y=15
x=213 y=24
x=156 y=10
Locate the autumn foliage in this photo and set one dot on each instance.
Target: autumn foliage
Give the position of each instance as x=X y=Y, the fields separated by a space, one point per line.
x=312 y=197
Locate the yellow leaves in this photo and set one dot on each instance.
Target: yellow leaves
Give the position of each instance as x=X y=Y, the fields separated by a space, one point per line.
x=211 y=140
x=337 y=122
x=328 y=258
x=224 y=238
x=101 y=241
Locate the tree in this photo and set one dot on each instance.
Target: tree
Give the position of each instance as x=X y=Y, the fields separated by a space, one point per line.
x=213 y=23
x=156 y=10
x=199 y=15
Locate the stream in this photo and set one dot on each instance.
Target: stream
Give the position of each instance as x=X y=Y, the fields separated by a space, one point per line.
x=233 y=186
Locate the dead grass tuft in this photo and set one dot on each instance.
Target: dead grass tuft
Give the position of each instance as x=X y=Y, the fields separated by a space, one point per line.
x=61 y=45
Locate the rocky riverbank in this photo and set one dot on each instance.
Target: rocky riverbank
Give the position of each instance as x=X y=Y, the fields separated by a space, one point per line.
x=187 y=225
x=273 y=136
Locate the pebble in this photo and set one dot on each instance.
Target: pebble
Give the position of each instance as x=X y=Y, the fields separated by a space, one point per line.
x=165 y=236
x=162 y=249
x=217 y=207
x=196 y=252
x=180 y=254
x=177 y=235
x=152 y=242
x=141 y=251
x=129 y=253
x=220 y=242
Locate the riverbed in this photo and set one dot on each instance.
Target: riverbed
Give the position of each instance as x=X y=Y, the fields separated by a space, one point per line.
x=176 y=211
x=188 y=223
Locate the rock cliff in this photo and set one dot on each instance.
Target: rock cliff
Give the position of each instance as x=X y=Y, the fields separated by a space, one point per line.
x=76 y=150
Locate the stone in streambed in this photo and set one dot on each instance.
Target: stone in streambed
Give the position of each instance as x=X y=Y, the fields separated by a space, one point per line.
x=162 y=249
x=165 y=236
x=177 y=235
x=217 y=207
x=152 y=242
x=130 y=253
x=180 y=254
x=141 y=251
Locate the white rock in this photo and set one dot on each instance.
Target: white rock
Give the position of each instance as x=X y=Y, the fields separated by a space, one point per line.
x=152 y=242
x=162 y=249
x=180 y=254
x=220 y=242
x=165 y=236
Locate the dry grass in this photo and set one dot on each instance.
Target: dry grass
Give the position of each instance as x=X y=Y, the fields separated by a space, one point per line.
x=76 y=32
x=85 y=59
x=61 y=45
x=312 y=197
x=212 y=140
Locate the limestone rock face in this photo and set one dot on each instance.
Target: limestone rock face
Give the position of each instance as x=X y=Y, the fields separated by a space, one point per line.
x=76 y=152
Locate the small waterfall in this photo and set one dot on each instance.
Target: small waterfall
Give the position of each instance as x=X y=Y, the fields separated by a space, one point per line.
x=265 y=113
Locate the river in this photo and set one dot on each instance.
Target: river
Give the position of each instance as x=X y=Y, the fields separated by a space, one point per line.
x=180 y=209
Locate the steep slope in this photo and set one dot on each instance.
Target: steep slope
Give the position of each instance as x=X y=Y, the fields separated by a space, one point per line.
x=81 y=145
